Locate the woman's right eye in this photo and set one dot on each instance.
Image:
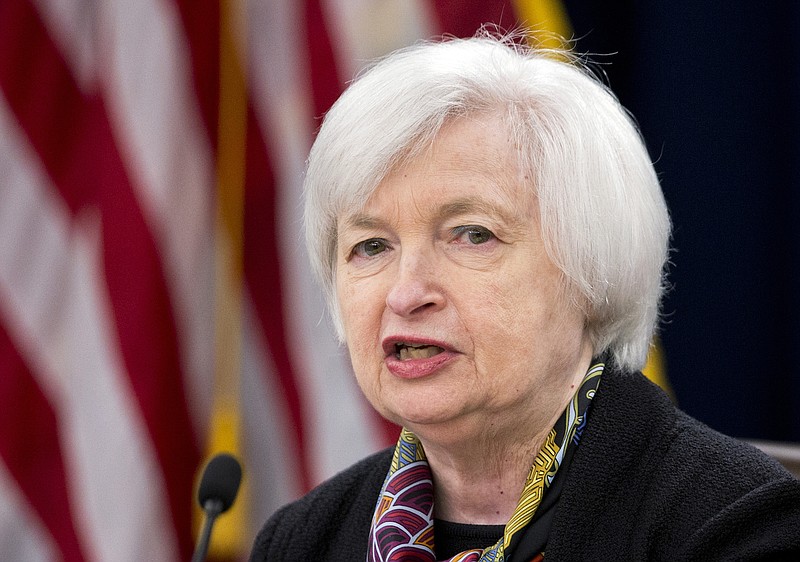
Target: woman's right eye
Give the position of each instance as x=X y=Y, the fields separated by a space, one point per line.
x=369 y=248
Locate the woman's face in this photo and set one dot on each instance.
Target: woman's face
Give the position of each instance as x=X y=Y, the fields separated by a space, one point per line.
x=453 y=313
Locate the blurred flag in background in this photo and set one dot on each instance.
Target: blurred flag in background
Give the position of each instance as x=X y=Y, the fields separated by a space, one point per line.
x=155 y=302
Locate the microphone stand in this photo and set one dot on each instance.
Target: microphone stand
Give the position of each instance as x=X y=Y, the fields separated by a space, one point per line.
x=212 y=507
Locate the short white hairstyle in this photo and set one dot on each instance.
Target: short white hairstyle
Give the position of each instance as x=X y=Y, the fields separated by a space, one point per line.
x=603 y=217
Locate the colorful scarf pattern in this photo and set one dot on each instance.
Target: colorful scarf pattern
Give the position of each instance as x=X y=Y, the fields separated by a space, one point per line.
x=402 y=526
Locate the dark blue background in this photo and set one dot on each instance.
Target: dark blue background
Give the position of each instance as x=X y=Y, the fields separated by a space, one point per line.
x=715 y=87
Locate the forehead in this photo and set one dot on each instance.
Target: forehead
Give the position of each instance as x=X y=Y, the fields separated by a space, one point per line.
x=472 y=166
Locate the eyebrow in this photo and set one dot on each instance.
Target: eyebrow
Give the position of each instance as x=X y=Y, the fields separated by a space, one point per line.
x=457 y=207
x=364 y=221
x=466 y=205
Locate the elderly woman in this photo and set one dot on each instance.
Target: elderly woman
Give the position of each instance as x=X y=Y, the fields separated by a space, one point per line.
x=491 y=236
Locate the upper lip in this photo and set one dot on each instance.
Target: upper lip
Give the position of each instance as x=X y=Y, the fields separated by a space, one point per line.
x=390 y=342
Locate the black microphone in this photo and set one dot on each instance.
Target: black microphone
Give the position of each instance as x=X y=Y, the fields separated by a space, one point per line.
x=216 y=493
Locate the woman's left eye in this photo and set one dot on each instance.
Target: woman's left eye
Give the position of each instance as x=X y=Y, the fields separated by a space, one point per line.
x=474 y=234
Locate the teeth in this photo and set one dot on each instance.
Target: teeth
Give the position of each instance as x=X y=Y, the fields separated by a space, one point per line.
x=406 y=352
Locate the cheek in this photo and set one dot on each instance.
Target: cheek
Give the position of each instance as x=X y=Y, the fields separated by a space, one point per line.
x=361 y=316
x=358 y=306
x=522 y=313
x=347 y=297
x=511 y=303
x=366 y=365
x=361 y=348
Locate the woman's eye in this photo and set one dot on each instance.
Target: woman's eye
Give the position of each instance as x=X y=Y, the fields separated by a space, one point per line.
x=369 y=248
x=474 y=234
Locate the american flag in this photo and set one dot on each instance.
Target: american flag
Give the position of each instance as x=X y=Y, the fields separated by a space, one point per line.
x=155 y=300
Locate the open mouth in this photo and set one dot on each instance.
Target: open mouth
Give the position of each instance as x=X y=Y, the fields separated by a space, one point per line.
x=407 y=351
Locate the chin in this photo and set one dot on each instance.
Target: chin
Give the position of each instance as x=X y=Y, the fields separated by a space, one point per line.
x=420 y=415
x=420 y=402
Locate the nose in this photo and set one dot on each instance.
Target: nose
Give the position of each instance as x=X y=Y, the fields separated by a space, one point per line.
x=417 y=288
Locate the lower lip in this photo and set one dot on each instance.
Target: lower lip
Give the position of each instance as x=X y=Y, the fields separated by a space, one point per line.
x=417 y=368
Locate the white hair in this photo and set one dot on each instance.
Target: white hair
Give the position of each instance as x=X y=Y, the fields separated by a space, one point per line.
x=603 y=218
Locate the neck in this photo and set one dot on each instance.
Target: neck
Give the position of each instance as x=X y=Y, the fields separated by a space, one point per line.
x=480 y=487
x=479 y=479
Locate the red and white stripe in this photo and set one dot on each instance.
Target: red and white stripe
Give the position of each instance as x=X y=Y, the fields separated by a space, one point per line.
x=108 y=148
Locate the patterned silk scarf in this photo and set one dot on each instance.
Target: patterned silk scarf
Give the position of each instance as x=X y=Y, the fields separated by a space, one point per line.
x=402 y=526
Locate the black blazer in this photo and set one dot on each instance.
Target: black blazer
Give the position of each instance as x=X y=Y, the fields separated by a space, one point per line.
x=647 y=483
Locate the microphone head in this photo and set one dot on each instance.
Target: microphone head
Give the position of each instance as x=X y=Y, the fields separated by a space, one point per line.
x=221 y=479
